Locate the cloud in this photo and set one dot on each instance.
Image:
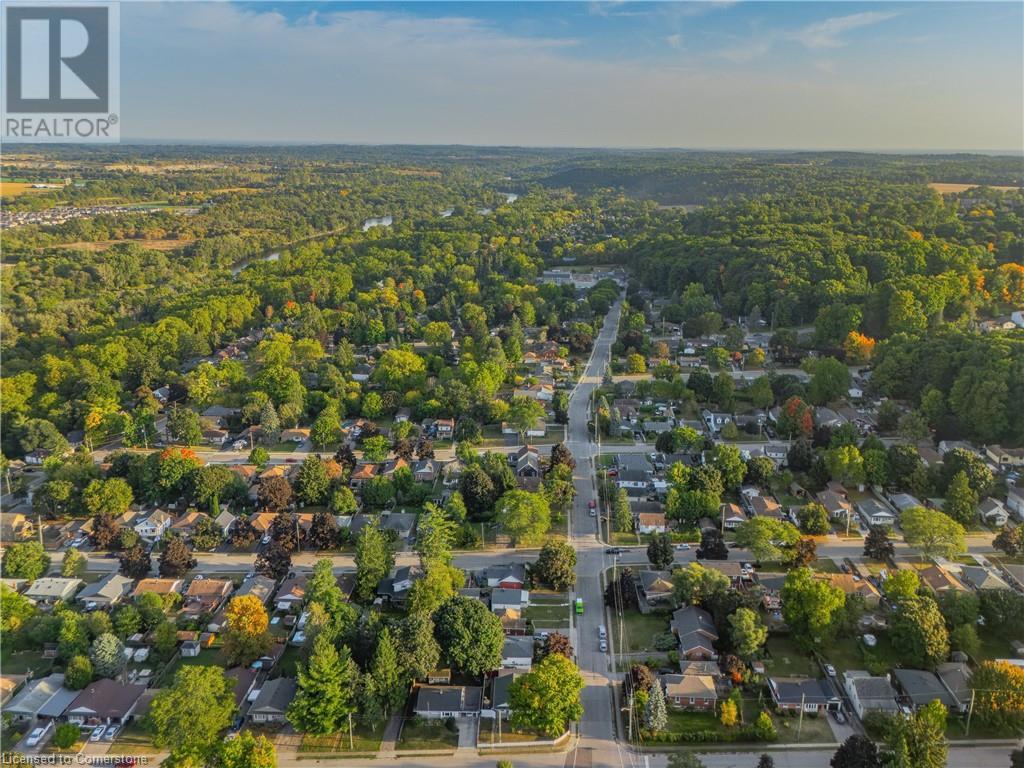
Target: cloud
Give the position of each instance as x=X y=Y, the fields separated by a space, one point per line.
x=675 y=41
x=828 y=33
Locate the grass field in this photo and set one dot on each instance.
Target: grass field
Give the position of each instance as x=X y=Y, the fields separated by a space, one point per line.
x=426 y=734
x=134 y=740
x=102 y=245
x=944 y=188
x=641 y=629
x=787 y=659
x=18 y=188
x=364 y=739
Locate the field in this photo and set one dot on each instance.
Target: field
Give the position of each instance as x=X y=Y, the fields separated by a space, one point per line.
x=17 y=188
x=102 y=245
x=944 y=188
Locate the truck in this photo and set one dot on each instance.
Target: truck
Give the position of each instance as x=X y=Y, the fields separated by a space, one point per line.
x=579 y=606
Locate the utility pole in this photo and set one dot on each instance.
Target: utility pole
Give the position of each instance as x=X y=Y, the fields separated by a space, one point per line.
x=351 y=744
x=800 y=725
x=970 y=711
x=629 y=733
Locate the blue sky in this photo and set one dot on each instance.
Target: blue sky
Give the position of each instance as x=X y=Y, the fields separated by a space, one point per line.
x=806 y=75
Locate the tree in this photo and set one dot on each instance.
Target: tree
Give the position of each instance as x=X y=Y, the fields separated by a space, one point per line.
x=259 y=456
x=961 y=500
x=470 y=636
x=696 y=584
x=813 y=519
x=560 y=454
x=126 y=620
x=655 y=716
x=877 y=544
x=435 y=535
x=324 y=431
x=919 y=740
x=1008 y=541
x=901 y=585
x=343 y=501
x=856 y=752
x=275 y=493
x=965 y=638
x=524 y=413
x=766 y=761
x=812 y=607
x=764 y=537
x=78 y=673
x=764 y=728
x=110 y=497
x=243 y=534
x=845 y=464
x=207 y=535
x=270 y=423
x=73 y=564
x=999 y=692
x=312 y=483
x=747 y=632
x=729 y=713
x=556 y=566
x=418 y=651
x=176 y=559
x=918 y=632
x=66 y=735
x=478 y=491
x=829 y=381
x=246 y=637
x=151 y=609
x=728 y=461
x=375 y=449
x=660 y=552
x=800 y=455
x=556 y=642
x=399 y=370
x=274 y=561
x=107 y=655
x=325 y=694
x=374 y=560
x=389 y=684
x=547 y=698
x=71 y=638
x=184 y=426
x=712 y=545
x=189 y=715
x=135 y=562
x=958 y=460
x=246 y=751
x=25 y=560
x=959 y=607
x=525 y=516
x=933 y=532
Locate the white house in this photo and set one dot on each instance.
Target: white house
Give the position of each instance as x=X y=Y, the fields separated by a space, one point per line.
x=715 y=421
x=154 y=526
x=868 y=693
x=1015 y=501
x=650 y=522
x=993 y=512
x=517 y=653
x=873 y=512
x=502 y=599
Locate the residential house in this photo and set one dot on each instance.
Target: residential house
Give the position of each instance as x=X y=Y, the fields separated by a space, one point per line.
x=258 y=586
x=452 y=471
x=853 y=585
x=186 y=524
x=1015 y=501
x=439 y=702
x=956 y=678
x=502 y=599
x=517 y=653
x=868 y=693
x=153 y=527
x=939 y=580
x=541 y=392
x=402 y=523
x=766 y=506
x=295 y=435
x=813 y=694
x=245 y=682
x=444 y=428
x=108 y=591
x=696 y=633
x=658 y=426
x=206 y=596
x=525 y=462
x=945 y=446
x=391 y=466
x=500 y=685
x=510 y=576
x=226 y=521
x=873 y=512
x=919 y=687
x=42 y=699
x=650 y=522
x=837 y=506
x=395 y=589
x=904 y=501
x=626 y=411
x=982 y=578
x=826 y=417
x=49 y=590
x=732 y=516
x=362 y=372
x=1005 y=457
x=15 y=526
x=403 y=414
x=993 y=512
x=215 y=436
x=637 y=482
x=512 y=621
x=158 y=586
x=291 y=594
x=777 y=452
x=654 y=587
x=191 y=648
x=693 y=692
x=425 y=471
x=271 y=703
x=362 y=474
x=105 y=702
x=715 y=421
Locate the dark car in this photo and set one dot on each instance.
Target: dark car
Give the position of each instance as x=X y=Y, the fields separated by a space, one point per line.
x=613 y=551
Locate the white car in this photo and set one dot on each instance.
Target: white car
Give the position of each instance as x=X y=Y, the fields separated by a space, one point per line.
x=111 y=732
x=603 y=645
x=97 y=733
x=830 y=670
x=36 y=736
x=682 y=547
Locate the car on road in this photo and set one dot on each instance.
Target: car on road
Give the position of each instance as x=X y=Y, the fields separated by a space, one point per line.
x=290 y=461
x=603 y=645
x=682 y=547
x=602 y=632
x=830 y=670
x=265 y=539
x=97 y=733
x=613 y=551
x=592 y=504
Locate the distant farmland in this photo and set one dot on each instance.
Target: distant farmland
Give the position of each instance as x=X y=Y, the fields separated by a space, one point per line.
x=947 y=189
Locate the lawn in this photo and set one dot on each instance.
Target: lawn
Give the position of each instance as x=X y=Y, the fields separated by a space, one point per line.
x=547 y=615
x=284 y=447
x=787 y=659
x=364 y=739
x=289 y=660
x=134 y=740
x=848 y=652
x=825 y=565
x=641 y=629
x=418 y=733
x=21 y=662
x=813 y=730
x=489 y=733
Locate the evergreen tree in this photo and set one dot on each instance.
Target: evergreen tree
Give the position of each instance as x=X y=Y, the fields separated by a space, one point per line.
x=655 y=713
x=326 y=690
x=623 y=514
x=384 y=669
x=374 y=560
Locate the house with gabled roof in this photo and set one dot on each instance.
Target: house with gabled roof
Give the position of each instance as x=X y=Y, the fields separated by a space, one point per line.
x=695 y=632
x=108 y=591
x=690 y=692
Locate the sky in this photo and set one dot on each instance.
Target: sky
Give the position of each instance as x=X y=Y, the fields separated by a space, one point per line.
x=894 y=76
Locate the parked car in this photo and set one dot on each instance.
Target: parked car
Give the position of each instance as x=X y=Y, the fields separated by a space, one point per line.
x=830 y=670
x=97 y=733
x=682 y=547
x=839 y=716
x=37 y=735
x=111 y=732
x=592 y=504
x=603 y=645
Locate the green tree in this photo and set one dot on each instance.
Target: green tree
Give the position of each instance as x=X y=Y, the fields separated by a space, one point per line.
x=845 y=464
x=435 y=535
x=343 y=501
x=961 y=500
x=932 y=532
x=547 y=698
x=696 y=584
x=1008 y=541
x=830 y=380
x=73 y=564
x=184 y=426
x=856 y=752
x=66 y=735
x=325 y=694
x=399 y=370
x=312 y=483
x=189 y=715
x=813 y=519
x=918 y=632
x=660 y=551
x=728 y=461
x=385 y=671
x=655 y=716
x=374 y=560
x=813 y=608
x=901 y=585
x=324 y=431
x=25 y=560
x=110 y=497
x=470 y=636
x=878 y=545
x=623 y=513
x=176 y=558
x=524 y=413
x=418 y=651
x=107 y=655
x=919 y=741
x=259 y=456
x=78 y=673
x=747 y=632
x=15 y=610
x=556 y=566
x=524 y=516
x=764 y=537
x=375 y=449
x=246 y=751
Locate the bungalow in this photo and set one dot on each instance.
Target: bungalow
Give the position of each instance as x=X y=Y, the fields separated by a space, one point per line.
x=956 y=678
x=500 y=686
x=291 y=594
x=815 y=695
x=108 y=591
x=945 y=446
x=271 y=702
x=540 y=392
x=777 y=452
x=42 y=699
x=695 y=632
x=188 y=521
x=904 y=501
x=636 y=480
x=1015 y=501
x=658 y=426
x=395 y=589
x=1005 y=457
x=391 y=466
x=851 y=585
x=206 y=596
x=215 y=436
x=157 y=586
x=403 y=414
x=191 y=648
x=766 y=506
x=920 y=687
x=452 y=471
x=510 y=576
x=873 y=512
x=439 y=702
x=362 y=372
x=296 y=435
x=940 y=580
x=154 y=526
x=105 y=702
x=517 y=653
x=15 y=526
x=362 y=474
x=402 y=523
x=694 y=692
x=715 y=421
x=826 y=417
x=993 y=512
x=49 y=589
x=226 y=521
x=868 y=693
x=650 y=522
x=732 y=516
x=425 y=471
x=654 y=587
x=259 y=586
x=444 y=428
x=982 y=578
x=838 y=508
x=626 y=410
x=512 y=621
x=502 y=599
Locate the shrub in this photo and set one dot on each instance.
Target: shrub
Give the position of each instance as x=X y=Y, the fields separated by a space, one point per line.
x=665 y=641
x=66 y=735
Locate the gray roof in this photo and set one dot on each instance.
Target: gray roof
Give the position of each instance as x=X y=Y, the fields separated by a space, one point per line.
x=956 y=676
x=50 y=588
x=502 y=596
x=111 y=587
x=260 y=586
x=874 y=693
x=982 y=578
x=923 y=687
x=45 y=697
x=500 y=688
x=402 y=522
x=636 y=461
x=447 y=698
x=517 y=648
x=694 y=627
x=274 y=696
x=509 y=570
x=106 y=698
x=809 y=690
x=656 y=582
